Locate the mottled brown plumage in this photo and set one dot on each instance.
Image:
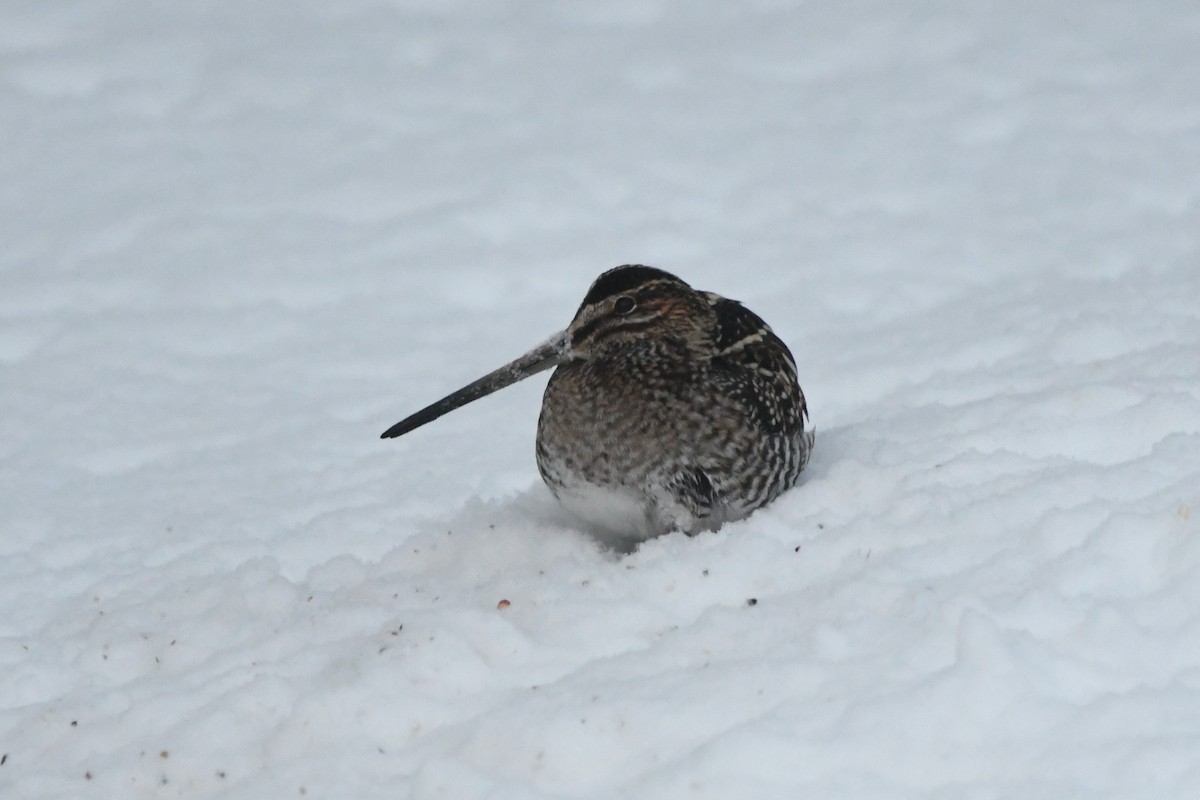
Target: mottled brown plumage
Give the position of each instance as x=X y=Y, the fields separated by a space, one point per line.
x=670 y=408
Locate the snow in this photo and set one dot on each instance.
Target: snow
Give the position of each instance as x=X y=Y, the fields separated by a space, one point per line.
x=240 y=240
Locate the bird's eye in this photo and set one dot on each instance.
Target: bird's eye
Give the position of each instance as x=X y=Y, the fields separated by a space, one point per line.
x=624 y=305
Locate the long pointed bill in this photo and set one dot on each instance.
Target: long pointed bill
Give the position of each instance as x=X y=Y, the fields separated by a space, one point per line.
x=549 y=353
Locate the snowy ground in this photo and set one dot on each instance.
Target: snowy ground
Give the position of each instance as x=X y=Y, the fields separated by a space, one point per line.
x=241 y=239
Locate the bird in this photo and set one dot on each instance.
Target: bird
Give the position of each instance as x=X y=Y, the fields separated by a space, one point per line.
x=669 y=409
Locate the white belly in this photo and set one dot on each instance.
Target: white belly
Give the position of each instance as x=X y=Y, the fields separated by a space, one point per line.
x=617 y=516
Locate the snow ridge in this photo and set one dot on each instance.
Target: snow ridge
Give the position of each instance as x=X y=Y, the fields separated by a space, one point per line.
x=241 y=240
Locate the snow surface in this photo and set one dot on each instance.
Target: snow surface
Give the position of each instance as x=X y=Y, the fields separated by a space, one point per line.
x=241 y=239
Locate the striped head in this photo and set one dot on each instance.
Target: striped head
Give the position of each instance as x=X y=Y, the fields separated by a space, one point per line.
x=638 y=309
x=633 y=318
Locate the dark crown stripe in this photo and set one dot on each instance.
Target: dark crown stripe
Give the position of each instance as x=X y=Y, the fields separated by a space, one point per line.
x=625 y=279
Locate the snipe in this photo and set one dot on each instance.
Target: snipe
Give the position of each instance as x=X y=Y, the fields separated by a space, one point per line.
x=670 y=408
